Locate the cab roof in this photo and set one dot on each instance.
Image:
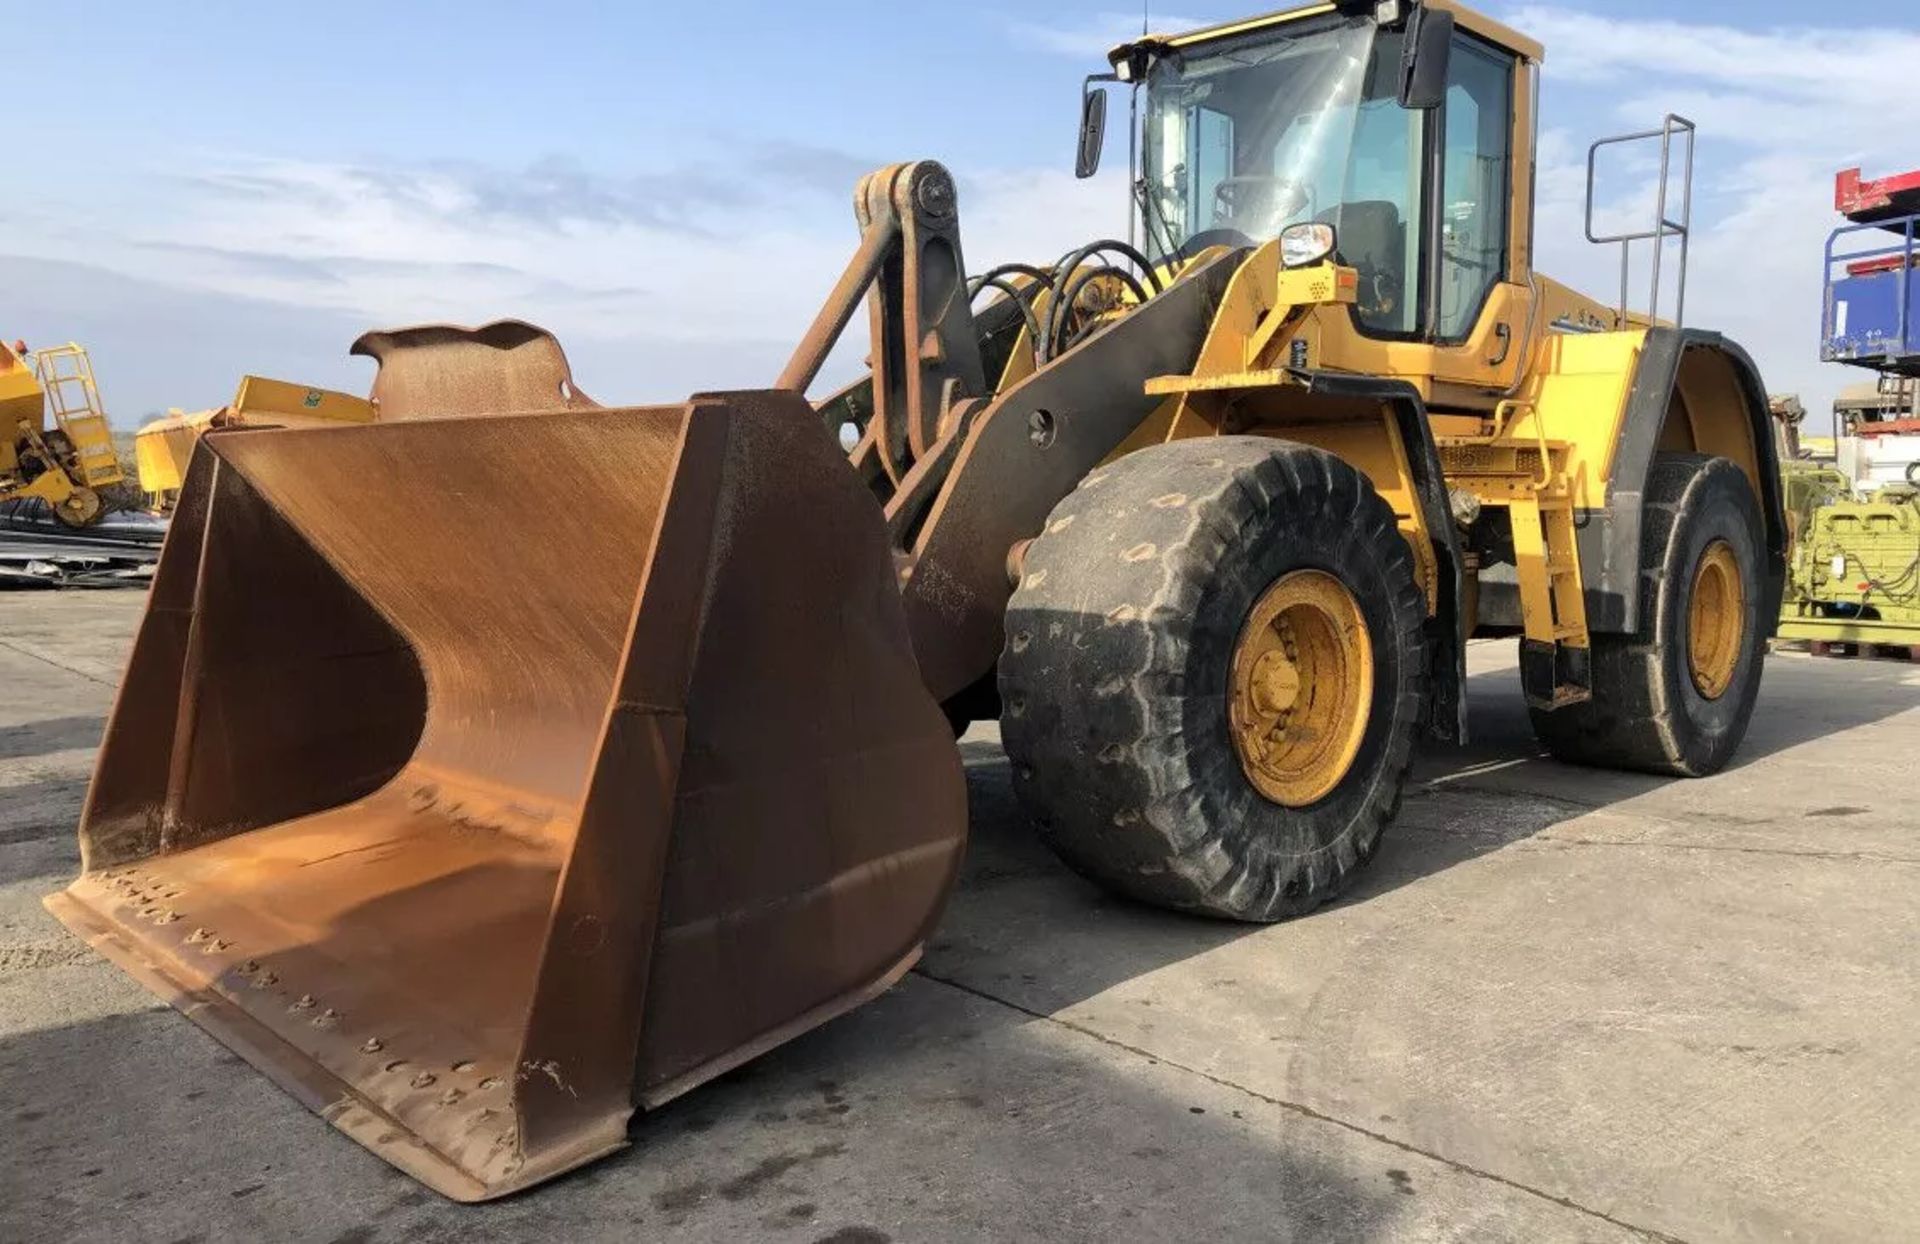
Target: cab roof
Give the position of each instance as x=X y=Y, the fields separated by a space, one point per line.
x=1497 y=33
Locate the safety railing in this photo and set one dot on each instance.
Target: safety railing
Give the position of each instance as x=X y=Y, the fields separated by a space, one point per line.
x=1862 y=335
x=66 y=373
x=1664 y=226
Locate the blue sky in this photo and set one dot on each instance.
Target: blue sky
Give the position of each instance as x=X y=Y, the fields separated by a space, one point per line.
x=666 y=185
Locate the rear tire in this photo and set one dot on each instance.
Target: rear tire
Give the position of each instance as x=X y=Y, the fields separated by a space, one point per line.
x=1662 y=703
x=1119 y=670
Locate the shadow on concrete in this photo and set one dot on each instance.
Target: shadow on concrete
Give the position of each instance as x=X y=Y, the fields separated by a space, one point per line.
x=1800 y=702
x=40 y=866
x=1461 y=803
x=939 y=1111
x=928 y=1115
x=50 y=735
x=44 y=808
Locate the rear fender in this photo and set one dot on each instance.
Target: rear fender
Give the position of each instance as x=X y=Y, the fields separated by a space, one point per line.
x=1695 y=392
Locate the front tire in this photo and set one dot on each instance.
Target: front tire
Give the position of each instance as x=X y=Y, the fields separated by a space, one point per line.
x=1168 y=742
x=1676 y=698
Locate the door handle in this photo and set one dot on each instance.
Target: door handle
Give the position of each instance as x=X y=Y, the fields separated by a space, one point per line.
x=1503 y=335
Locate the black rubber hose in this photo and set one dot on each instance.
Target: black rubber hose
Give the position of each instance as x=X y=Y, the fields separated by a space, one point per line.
x=1073 y=259
x=1019 y=300
x=1056 y=313
x=1057 y=326
x=1041 y=275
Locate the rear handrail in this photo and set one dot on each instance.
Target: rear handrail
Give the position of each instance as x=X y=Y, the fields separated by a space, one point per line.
x=1664 y=226
x=61 y=367
x=1903 y=255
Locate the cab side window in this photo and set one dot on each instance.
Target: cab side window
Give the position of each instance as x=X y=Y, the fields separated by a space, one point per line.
x=1476 y=161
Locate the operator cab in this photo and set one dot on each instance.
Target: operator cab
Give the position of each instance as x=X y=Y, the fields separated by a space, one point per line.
x=1389 y=122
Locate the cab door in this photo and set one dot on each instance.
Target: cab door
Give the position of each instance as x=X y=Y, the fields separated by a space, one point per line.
x=1477 y=290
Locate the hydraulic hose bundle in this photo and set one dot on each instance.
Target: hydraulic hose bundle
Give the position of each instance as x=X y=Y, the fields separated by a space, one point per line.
x=1055 y=332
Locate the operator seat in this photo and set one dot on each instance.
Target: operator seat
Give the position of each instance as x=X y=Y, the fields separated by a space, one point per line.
x=1373 y=241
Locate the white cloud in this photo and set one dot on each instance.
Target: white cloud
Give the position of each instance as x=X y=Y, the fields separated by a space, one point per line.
x=1780 y=112
x=659 y=285
x=1823 y=64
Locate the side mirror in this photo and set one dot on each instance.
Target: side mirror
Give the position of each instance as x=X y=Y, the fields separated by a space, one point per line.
x=1423 y=62
x=1093 y=125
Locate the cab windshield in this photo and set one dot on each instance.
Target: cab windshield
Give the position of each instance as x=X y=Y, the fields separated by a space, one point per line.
x=1243 y=139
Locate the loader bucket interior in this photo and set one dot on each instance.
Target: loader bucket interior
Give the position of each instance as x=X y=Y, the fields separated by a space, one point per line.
x=478 y=813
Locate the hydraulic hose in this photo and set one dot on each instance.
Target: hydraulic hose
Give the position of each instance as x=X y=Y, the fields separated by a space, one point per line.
x=1070 y=289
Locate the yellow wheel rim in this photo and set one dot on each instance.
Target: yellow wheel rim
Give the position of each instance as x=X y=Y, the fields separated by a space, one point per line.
x=1301 y=688
x=1716 y=617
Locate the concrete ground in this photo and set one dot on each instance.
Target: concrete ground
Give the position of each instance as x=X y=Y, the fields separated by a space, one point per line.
x=1563 y=1005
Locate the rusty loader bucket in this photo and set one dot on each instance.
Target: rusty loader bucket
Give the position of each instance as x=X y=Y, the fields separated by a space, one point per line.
x=482 y=778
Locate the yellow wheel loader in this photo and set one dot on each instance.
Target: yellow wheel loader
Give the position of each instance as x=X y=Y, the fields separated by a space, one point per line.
x=65 y=465
x=481 y=815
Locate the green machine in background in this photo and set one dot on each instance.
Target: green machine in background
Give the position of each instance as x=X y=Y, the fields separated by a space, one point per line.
x=1855 y=573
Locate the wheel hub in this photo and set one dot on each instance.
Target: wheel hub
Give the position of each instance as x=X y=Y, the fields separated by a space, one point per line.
x=1276 y=682
x=1301 y=688
x=1716 y=620
x=79 y=507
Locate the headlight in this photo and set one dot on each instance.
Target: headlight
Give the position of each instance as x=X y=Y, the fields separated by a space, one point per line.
x=1301 y=245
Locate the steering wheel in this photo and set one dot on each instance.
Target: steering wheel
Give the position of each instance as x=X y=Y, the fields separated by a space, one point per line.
x=1237 y=198
x=1379 y=292
x=1212 y=237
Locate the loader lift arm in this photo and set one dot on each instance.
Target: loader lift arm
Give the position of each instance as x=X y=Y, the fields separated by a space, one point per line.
x=965 y=473
x=926 y=350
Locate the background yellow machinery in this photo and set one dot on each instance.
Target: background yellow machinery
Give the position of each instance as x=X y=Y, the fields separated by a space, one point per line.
x=495 y=768
x=164 y=447
x=68 y=463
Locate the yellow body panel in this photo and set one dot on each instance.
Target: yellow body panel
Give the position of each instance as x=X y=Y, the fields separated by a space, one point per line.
x=164 y=447
x=94 y=452
x=52 y=487
x=1322 y=283
x=1576 y=395
x=297 y=405
x=21 y=399
x=22 y=409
